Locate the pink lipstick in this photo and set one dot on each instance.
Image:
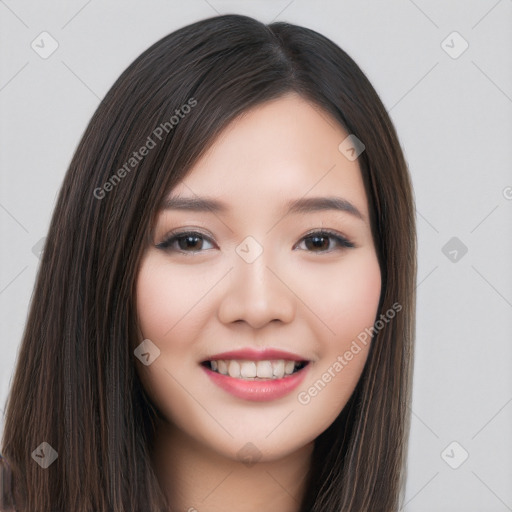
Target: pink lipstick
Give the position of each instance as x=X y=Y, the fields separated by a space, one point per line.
x=256 y=375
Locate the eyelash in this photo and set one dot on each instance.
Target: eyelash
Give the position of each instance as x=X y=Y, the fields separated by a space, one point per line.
x=342 y=242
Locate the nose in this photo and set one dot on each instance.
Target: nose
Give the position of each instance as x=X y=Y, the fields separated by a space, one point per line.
x=256 y=294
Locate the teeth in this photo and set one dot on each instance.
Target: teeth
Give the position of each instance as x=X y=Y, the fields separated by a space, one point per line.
x=264 y=369
x=234 y=369
x=222 y=367
x=278 y=369
x=251 y=370
x=289 y=366
x=248 y=370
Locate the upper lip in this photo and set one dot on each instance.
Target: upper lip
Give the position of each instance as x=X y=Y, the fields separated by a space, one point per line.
x=252 y=354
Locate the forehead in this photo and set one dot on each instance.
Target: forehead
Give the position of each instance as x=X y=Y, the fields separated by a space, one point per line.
x=284 y=149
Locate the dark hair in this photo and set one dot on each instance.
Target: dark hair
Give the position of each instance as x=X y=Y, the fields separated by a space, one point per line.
x=75 y=385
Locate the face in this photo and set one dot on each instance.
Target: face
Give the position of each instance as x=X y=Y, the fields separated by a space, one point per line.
x=253 y=307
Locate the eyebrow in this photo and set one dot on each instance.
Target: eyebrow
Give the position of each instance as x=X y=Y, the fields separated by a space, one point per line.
x=298 y=206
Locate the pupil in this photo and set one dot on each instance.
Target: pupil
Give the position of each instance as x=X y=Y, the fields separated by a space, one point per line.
x=187 y=239
x=315 y=240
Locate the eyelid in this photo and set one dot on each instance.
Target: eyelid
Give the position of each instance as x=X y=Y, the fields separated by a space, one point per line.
x=172 y=235
x=342 y=241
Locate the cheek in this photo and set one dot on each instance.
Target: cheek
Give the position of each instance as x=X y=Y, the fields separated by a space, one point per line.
x=152 y=293
x=167 y=317
x=165 y=300
x=349 y=306
x=345 y=297
x=359 y=300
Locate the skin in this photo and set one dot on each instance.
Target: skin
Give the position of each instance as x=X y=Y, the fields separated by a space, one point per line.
x=309 y=299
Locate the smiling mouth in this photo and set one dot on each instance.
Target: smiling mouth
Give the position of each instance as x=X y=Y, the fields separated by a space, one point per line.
x=271 y=369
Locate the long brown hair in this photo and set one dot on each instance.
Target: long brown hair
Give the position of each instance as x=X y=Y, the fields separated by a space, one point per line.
x=75 y=386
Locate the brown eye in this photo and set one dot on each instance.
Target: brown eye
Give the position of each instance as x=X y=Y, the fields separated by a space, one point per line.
x=190 y=241
x=193 y=241
x=319 y=241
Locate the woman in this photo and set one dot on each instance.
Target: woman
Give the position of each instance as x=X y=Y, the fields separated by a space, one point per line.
x=265 y=369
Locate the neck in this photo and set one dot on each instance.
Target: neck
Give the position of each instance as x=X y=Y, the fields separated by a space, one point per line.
x=196 y=479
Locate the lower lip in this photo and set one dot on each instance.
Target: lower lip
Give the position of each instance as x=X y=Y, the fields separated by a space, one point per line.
x=257 y=390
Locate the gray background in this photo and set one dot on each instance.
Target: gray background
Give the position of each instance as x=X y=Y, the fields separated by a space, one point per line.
x=453 y=116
